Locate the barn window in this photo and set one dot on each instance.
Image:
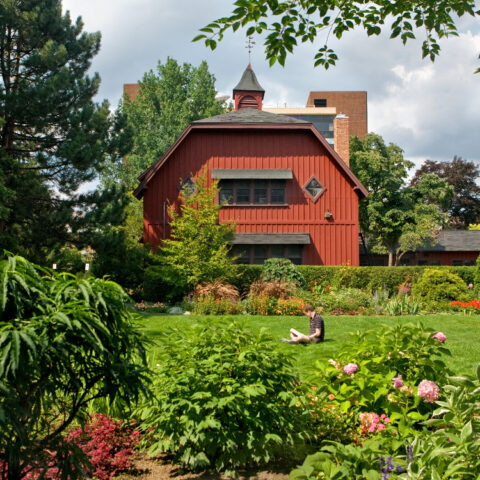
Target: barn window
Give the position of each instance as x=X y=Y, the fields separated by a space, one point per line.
x=314 y=188
x=257 y=254
x=252 y=192
x=187 y=186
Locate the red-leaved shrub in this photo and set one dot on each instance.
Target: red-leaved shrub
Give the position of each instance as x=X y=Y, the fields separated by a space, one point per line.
x=108 y=444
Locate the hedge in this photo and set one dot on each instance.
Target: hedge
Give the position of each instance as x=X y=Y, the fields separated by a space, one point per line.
x=369 y=278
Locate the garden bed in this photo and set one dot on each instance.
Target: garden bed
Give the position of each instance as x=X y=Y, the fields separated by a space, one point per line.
x=161 y=468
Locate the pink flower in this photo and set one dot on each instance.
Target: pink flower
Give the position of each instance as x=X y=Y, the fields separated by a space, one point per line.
x=383 y=416
x=371 y=428
x=428 y=391
x=380 y=426
x=441 y=337
x=398 y=382
x=350 y=368
x=386 y=420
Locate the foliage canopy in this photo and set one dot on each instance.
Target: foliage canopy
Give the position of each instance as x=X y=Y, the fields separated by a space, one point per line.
x=286 y=24
x=63 y=342
x=53 y=137
x=198 y=250
x=462 y=175
x=396 y=218
x=167 y=101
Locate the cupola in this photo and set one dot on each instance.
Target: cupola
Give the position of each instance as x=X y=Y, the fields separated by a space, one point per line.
x=248 y=93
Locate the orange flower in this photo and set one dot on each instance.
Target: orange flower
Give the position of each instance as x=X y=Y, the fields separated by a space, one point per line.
x=331 y=396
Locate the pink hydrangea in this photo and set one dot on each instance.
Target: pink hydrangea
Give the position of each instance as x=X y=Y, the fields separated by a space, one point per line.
x=441 y=337
x=428 y=391
x=350 y=368
x=398 y=382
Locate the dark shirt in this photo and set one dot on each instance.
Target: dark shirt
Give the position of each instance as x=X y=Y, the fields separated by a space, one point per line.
x=317 y=322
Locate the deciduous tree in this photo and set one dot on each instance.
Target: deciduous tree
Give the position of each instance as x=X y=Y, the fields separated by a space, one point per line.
x=300 y=21
x=63 y=343
x=198 y=250
x=395 y=218
x=166 y=102
x=462 y=175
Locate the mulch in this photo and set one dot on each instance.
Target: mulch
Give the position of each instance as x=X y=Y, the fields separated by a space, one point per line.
x=162 y=468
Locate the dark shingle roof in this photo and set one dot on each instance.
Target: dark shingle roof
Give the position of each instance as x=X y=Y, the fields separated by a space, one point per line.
x=249 y=81
x=250 y=115
x=455 y=241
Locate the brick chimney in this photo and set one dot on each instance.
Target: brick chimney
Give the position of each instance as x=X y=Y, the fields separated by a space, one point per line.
x=341 y=137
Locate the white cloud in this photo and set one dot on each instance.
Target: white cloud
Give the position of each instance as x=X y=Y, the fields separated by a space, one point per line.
x=430 y=110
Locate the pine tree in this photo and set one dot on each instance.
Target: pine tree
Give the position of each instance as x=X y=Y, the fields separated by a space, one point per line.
x=53 y=137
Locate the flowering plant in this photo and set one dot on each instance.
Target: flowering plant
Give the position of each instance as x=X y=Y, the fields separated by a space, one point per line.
x=428 y=391
x=441 y=337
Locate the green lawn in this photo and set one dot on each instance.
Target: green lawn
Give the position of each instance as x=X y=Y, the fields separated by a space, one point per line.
x=463 y=333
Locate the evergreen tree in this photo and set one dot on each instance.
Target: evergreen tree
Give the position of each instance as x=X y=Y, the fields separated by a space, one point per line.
x=166 y=102
x=53 y=137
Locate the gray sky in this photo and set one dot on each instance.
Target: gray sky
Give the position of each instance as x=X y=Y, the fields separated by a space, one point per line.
x=432 y=111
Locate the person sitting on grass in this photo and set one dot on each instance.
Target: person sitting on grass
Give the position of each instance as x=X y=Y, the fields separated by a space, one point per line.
x=317 y=329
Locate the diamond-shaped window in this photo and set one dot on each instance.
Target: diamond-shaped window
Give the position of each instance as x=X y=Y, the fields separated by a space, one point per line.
x=187 y=186
x=314 y=188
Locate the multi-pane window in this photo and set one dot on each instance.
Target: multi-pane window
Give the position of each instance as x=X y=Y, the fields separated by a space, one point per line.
x=257 y=254
x=252 y=192
x=314 y=188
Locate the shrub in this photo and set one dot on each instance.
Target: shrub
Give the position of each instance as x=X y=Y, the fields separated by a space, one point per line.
x=157 y=307
x=349 y=300
x=108 y=445
x=260 y=305
x=289 y=306
x=437 y=288
x=362 y=377
x=63 y=341
x=217 y=291
x=219 y=306
x=272 y=289
x=160 y=283
x=223 y=398
x=244 y=276
x=281 y=269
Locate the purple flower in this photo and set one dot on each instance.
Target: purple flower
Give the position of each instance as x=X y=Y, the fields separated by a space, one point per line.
x=428 y=391
x=350 y=368
x=398 y=382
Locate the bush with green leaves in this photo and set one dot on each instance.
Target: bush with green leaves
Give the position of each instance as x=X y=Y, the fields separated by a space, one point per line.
x=437 y=288
x=344 y=301
x=217 y=306
x=380 y=356
x=281 y=269
x=63 y=343
x=198 y=248
x=444 y=446
x=223 y=398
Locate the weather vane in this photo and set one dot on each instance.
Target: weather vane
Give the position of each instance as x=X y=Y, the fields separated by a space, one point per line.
x=249 y=46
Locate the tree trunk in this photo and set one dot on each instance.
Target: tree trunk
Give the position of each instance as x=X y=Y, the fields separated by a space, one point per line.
x=390 y=259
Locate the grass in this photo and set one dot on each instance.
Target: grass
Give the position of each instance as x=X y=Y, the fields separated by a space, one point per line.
x=462 y=335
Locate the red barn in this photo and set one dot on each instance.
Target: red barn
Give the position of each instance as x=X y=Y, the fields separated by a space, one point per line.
x=289 y=193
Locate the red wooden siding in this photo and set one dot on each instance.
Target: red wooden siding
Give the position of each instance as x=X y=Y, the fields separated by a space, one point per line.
x=333 y=242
